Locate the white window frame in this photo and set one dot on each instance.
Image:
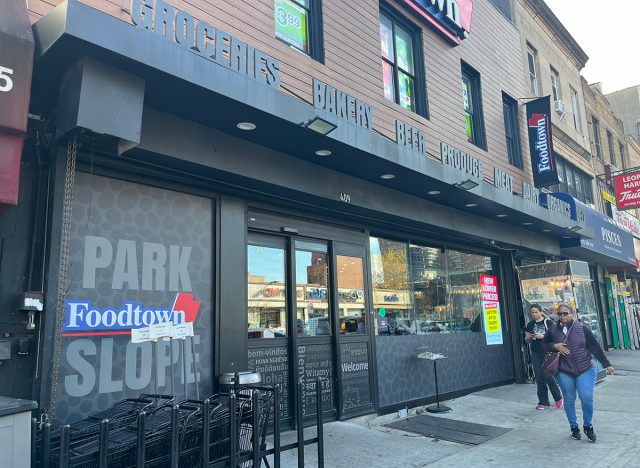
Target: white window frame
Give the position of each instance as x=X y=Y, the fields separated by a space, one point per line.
x=555 y=85
x=577 y=124
x=532 y=57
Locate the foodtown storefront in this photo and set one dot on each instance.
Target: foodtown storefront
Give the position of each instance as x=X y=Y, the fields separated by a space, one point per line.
x=168 y=212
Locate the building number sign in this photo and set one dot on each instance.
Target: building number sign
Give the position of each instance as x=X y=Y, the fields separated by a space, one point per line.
x=6 y=82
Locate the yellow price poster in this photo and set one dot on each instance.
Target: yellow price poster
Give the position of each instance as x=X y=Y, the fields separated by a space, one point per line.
x=493 y=319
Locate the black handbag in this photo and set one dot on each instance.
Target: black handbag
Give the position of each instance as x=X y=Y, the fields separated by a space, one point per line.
x=551 y=364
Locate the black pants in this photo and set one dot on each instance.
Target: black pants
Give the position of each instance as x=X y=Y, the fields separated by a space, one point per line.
x=544 y=380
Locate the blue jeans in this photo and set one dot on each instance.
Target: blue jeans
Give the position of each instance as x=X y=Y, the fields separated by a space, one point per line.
x=584 y=384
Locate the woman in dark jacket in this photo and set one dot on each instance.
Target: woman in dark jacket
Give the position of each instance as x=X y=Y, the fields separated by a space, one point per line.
x=534 y=334
x=576 y=345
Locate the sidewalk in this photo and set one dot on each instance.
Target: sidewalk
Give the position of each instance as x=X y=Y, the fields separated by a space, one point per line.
x=539 y=438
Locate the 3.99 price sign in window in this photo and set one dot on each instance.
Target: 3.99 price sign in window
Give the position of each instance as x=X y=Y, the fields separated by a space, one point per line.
x=291 y=21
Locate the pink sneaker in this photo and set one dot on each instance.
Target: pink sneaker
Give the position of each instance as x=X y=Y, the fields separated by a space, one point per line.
x=539 y=407
x=559 y=403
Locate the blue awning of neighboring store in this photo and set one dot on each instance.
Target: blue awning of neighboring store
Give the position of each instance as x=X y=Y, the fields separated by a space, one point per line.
x=610 y=245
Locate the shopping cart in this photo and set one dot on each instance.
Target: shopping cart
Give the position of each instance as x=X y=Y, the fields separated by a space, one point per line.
x=120 y=414
x=122 y=443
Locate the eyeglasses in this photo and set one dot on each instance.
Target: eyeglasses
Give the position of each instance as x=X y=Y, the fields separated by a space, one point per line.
x=563 y=314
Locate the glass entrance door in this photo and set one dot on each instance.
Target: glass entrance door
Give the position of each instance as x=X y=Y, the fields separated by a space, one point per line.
x=354 y=351
x=314 y=342
x=308 y=317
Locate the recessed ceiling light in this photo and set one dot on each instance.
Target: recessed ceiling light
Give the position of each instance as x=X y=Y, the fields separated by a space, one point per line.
x=252 y=219
x=567 y=237
x=246 y=126
x=546 y=230
x=387 y=176
x=527 y=224
x=323 y=153
x=433 y=192
x=501 y=216
x=471 y=205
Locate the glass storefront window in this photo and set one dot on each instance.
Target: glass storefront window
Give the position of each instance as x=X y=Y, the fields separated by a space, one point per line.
x=430 y=289
x=464 y=279
x=351 y=300
x=267 y=311
x=445 y=292
x=390 y=281
x=312 y=290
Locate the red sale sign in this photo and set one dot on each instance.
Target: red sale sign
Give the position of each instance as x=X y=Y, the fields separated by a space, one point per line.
x=489 y=288
x=627 y=190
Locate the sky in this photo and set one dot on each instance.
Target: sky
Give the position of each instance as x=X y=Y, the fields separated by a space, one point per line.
x=608 y=32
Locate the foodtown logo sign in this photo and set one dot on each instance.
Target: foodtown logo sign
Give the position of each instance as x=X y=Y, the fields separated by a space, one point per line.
x=84 y=319
x=541 y=145
x=450 y=18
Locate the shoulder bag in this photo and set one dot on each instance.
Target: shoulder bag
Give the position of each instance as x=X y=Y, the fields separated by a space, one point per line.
x=551 y=364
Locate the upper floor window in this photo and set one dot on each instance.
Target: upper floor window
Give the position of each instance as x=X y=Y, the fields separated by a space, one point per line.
x=612 y=153
x=532 y=57
x=575 y=110
x=400 y=46
x=512 y=130
x=472 y=100
x=299 y=24
x=555 y=85
x=573 y=181
x=596 y=138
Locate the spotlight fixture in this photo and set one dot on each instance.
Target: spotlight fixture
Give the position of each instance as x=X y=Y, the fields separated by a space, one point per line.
x=574 y=228
x=246 y=126
x=387 y=176
x=323 y=153
x=471 y=205
x=466 y=184
x=319 y=125
x=433 y=192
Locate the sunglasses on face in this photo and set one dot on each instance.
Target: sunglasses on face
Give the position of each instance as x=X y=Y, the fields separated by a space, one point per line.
x=563 y=314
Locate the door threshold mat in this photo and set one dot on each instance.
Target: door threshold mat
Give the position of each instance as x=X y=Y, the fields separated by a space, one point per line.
x=452 y=430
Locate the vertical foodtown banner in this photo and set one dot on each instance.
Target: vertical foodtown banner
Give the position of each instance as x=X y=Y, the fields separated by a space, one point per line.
x=140 y=259
x=627 y=190
x=543 y=163
x=491 y=309
x=16 y=65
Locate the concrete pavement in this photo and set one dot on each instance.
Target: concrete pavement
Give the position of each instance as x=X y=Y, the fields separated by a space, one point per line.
x=537 y=438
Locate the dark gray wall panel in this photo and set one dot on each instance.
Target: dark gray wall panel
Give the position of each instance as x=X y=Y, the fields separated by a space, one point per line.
x=470 y=363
